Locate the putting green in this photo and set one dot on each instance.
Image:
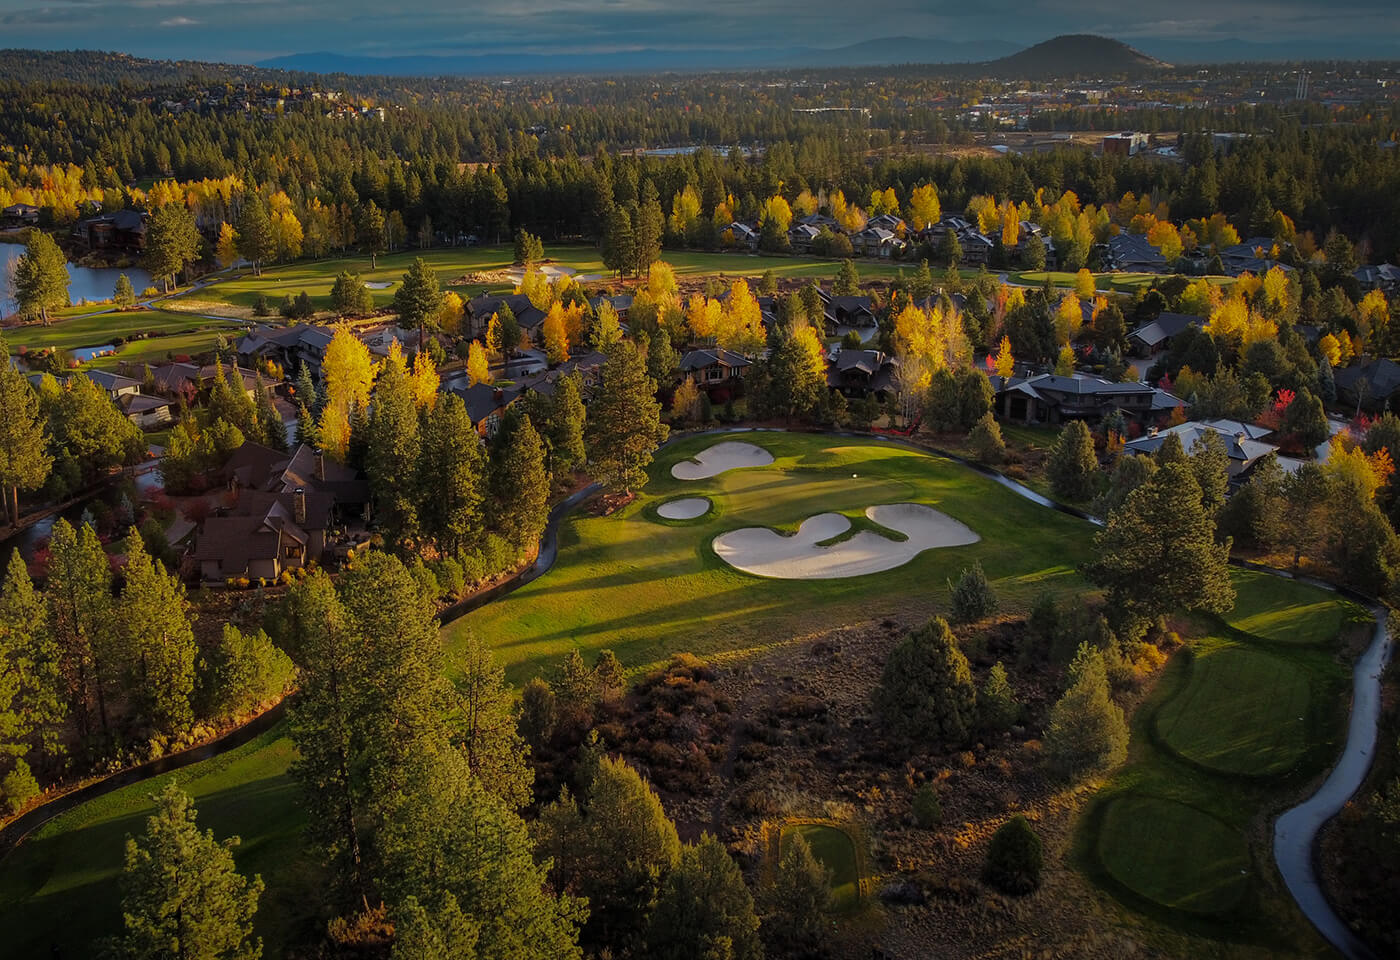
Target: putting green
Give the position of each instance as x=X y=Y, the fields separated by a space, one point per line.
x=1284 y=610
x=834 y=849
x=1243 y=712
x=1173 y=854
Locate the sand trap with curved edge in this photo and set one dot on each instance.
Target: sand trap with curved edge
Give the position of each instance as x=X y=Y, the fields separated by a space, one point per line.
x=729 y=455
x=686 y=508
x=764 y=553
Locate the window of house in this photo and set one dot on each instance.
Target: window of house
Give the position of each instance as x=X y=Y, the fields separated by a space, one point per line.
x=715 y=373
x=291 y=553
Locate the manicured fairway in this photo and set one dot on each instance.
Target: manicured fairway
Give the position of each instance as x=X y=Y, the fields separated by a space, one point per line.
x=1174 y=854
x=834 y=849
x=1117 y=282
x=94 y=331
x=60 y=886
x=316 y=277
x=647 y=589
x=1243 y=712
x=1278 y=609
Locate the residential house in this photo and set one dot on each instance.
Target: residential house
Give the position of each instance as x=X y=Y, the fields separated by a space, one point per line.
x=801 y=236
x=1154 y=336
x=861 y=373
x=1132 y=253
x=288 y=347
x=256 y=467
x=1371 y=384
x=265 y=534
x=486 y=404
x=740 y=235
x=19 y=215
x=1243 y=443
x=711 y=368
x=122 y=230
x=1384 y=277
x=114 y=384
x=877 y=242
x=147 y=412
x=620 y=304
x=846 y=313
x=481 y=308
x=1051 y=398
x=976 y=248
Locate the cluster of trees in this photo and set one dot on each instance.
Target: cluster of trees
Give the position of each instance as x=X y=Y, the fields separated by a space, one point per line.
x=202 y=440
x=107 y=660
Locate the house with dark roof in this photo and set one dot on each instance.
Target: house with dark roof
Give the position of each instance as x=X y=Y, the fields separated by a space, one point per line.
x=861 y=373
x=147 y=412
x=486 y=404
x=1243 y=443
x=288 y=347
x=739 y=235
x=713 y=367
x=114 y=384
x=124 y=230
x=265 y=534
x=1132 y=253
x=876 y=241
x=620 y=303
x=1384 y=277
x=801 y=235
x=1371 y=384
x=1051 y=398
x=845 y=313
x=256 y=467
x=1154 y=336
x=19 y=215
x=480 y=309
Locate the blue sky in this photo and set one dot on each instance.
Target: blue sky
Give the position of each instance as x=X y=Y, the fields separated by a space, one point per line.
x=248 y=30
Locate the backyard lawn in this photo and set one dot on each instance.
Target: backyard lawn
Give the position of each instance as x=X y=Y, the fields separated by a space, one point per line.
x=1235 y=727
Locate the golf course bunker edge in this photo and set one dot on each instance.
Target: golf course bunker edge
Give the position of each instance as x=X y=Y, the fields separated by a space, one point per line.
x=801 y=556
x=684 y=508
x=729 y=455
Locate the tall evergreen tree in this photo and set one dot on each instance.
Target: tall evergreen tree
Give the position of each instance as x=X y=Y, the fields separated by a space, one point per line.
x=619 y=246
x=926 y=690
x=1157 y=553
x=31 y=693
x=491 y=745
x=40 y=277
x=182 y=897
x=418 y=297
x=452 y=477
x=567 y=418
x=79 y=592
x=648 y=224
x=172 y=242
x=25 y=460
x=704 y=910
x=255 y=241
x=158 y=641
x=519 y=482
x=793 y=906
x=392 y=451
x=1087 y=730
x=271 y=429
x=369 y=232
x=1073 y=466
x=624 y=428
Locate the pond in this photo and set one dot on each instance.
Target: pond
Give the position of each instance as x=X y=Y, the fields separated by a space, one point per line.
x=84 y=283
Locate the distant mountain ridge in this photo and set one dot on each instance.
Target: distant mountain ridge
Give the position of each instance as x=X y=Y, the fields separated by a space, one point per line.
x=883 y=52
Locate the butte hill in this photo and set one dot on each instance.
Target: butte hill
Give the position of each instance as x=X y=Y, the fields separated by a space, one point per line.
x=1075 y=55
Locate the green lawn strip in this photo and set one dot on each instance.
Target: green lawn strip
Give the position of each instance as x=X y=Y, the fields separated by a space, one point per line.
x=1117 y=282
x=317 y=276
x=1216 y=747
x=96 y=331
x=834 y=849
x=161 y=349
x=60 y=885
x=647 y=590
x=1286 y=611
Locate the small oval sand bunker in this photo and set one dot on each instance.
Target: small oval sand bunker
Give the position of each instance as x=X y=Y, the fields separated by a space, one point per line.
x=686 y=508
x=764 y=553
x=729 y=455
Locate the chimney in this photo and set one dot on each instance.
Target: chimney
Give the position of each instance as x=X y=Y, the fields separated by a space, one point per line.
x=299 y=506
x=320 y=464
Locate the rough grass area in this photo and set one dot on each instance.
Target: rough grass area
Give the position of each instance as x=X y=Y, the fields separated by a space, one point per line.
x=647 y=590
x=1278 y=609
x=316 y=277
x=834 y=849
x=1174 y=854
x=58 y=889
x=1216 y=748
x=1242 y=712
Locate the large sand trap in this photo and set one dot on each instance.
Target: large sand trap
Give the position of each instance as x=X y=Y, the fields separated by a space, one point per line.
x=687 y=508
x=729 y=455
x=762 y=552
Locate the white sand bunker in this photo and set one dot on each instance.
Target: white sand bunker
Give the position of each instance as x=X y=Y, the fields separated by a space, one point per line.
x=764 y=553
x=730 y=455
x=687 y=508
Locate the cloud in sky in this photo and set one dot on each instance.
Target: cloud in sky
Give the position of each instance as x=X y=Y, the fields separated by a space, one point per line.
x=245 y=30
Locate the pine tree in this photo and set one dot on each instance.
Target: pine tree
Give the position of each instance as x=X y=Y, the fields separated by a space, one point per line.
x=31 y=694
x=972 y=596
x=567 y=419
x=452 y=476
x=158 y=641
x=40 y=277
x=181 y=894
x=123 y=295
x=79 y=592
x=369 y=231
x=624 y=428
x=996 y=701
x=393 y=445
x=172 y=242
x=1087 y=730
x=25 y=460
x=793 y=906
x=305 y=390
x=704 y=910
x=618 y=245
x=241 y=671
x=491 y=744
x=847 y=283
x=519 y=483
x=1014 y=858
x=1157 y=553
x=986 y=441
x=255 y=242
x=1210 y=464
x=648 y=224
x=271 y=428
x=418 y=297
x=1073 y=466
x=926 y=690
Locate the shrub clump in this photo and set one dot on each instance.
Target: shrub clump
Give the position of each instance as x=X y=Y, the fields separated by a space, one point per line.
x=926 y=691
x=1087 y=729
x=928 y=810
x=973 y=597
x=1014 y=858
